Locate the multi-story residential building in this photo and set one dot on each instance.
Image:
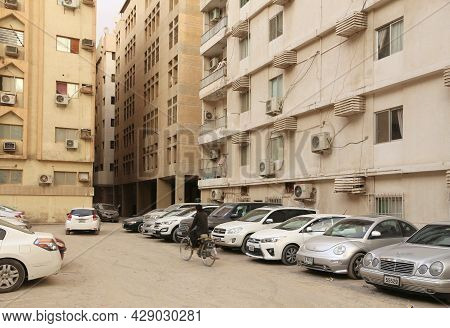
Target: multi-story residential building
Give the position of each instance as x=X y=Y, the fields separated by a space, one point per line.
x=158 y=111
x=47 y=73
x=341 y=105
x=105 y=100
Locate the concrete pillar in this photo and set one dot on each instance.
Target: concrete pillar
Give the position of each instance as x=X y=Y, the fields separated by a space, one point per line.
x=164 y=194
x=179 y=189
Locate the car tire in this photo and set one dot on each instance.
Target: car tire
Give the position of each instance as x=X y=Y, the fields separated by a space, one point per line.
x=96 y=232
x=67 y=232
x=244 y=244
x=174 y=235
x=355 y=265
x=289 y=255
x=18 y=271
x=140 y=227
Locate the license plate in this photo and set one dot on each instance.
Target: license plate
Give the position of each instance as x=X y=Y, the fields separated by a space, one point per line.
x=81 y=221
x=217 y=239
x=251 y=248
x=392 y=281
x=308 y=261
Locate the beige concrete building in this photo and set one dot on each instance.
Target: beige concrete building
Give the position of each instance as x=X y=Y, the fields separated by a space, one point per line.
x=47 y=72
x=158 y=110
x=339 y=105
x=105 y=101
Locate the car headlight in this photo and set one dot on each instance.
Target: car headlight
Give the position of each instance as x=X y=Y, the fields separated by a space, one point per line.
x=132 y=222
x=422 y=269
x=367 y=259
x=234 y=231
x=375 y=262
x=436 y=268
x=339 y=250
x=169 y=222
x=271 y=240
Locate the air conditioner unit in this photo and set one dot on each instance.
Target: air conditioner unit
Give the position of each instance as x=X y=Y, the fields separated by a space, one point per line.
x=209 y=116
x=320 y=142
x=214 y=15
x=7 y=98
x=83 y=177
x=71 y=4
x=213 y=154
x=11 y=4
x=62 y=100
x=266 y=168
x=86 y=134
x=71 y=144
x=45 y=179
x=9 y=146
x=217 y=194
x=213 y=62
x=90 y=3
x=12 y=51
x=87 y=89
x=303 y=191
x=274 y=106
x=88 y=44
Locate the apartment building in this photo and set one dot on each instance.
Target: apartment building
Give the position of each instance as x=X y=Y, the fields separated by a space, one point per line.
x=158 y=110
x=105 y=100
x=338 y=105
x=47 y=72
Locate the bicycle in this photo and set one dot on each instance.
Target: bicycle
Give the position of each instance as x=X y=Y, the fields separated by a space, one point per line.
x=207 y=250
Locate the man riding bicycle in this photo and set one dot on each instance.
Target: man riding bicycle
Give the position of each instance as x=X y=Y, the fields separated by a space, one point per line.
x=199 y=225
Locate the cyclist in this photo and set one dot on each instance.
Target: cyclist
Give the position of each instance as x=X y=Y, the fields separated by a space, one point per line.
x=199 y=225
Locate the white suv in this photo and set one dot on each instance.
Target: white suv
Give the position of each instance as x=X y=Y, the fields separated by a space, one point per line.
x=236 y=233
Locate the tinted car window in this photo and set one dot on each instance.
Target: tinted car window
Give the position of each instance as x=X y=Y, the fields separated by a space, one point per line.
x=254 y=216
x=321 y=225
x=2 y=234
x=389 y=229
x=209 y=210
x=240 y=210
x=82 y=212
x=222 y=210
x=278 y=216
x=407 y=229
x=352 y=228
x=433 y=235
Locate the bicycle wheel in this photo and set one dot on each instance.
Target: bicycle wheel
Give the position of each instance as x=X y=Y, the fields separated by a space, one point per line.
x=208 y=253
x=186 y=249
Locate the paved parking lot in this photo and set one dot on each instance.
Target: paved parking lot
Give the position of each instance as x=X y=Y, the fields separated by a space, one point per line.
x=120 y=269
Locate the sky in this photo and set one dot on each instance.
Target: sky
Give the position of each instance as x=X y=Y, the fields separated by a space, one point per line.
x=107 y=11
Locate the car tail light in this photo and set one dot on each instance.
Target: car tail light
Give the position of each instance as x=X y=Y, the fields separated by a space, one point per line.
x=47 y=244
x=18 y=216
x=69 y=217
x=95 y=217
x=61 y=246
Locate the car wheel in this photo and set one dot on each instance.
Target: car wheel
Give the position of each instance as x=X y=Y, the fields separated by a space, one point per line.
x=244 y=244
x=67 y=232
x=96 y=232
x=140 y=227
x=12 y=275
x=175 y=236
x=354 y=268
x=289 y=256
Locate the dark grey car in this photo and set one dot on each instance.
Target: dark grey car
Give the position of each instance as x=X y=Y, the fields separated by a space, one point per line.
x=107 y=212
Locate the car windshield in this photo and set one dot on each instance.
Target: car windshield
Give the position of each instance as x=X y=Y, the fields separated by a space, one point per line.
x=222 y=210
x=7 y=209
x=172 y=208
x=186 y=212
x=15 y=227
x=81 y=212
x=172 y=213
x=107 y=207
x=349 y=229
x=254 y=216
x=432 y=235
x=294 y=223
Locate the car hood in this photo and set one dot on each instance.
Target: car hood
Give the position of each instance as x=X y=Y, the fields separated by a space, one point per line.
x=271 y=233
x=413 y=253
x=237 y=224
x=137 y=219
x=169 y=218
x=109 y=212
x=324 y=243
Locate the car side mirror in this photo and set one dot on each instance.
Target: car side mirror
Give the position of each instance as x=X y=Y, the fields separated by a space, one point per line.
x=269 y=221
x=309 y=229
x=375 y=234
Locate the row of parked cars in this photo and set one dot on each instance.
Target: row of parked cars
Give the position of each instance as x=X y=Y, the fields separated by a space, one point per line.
x=385 y=251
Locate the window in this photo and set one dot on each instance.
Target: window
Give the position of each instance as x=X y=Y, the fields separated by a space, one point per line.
x=173 y=72
x=408 y=230
x=10 y=177
x=11 y=37
x=172 y=111
x=172 y=4
x=277 y=149
x=112 y=122
x=113 y=100
x=65 y=178
x=391 y=205
x=278 y=216
x=111 y=167
x=243 y=48
x=11 y=132
x=388 y=229
x=244 y=98
x=11 y=84
x=244 y=155
x=113 y=78
x=62 y=134
x=67 y=45
x=111 y=144
x=244 y=2
x=390 y=39
x=276 y=26
x=276 y=87
x=68 y=89
x=173 y=32
x=389 y=125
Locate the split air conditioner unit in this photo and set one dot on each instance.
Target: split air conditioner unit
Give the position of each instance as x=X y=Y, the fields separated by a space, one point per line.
x=320 y=142
x=303 y=191
x=45 y=179
x=7 y=99
x=71 y=144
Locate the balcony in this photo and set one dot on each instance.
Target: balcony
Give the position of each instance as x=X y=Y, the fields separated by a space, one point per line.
x=214 y=131
x=214 y=125
x=215 y=172
x=207 y=5
x=214 y=40
x=212 y=87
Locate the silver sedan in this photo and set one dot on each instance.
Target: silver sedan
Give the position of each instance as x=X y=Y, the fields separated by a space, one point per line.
x=342 y=247
x=421 y=264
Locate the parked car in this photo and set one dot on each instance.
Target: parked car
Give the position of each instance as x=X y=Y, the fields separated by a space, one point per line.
x=16 y=222
x=342 y=248
x=107 y=212
x=83 y=219
x=17 y=214
x=235 y=234
x=283 y=241
x=421 y=264
x=168 y=226
x=149 y=223
x=43 y=257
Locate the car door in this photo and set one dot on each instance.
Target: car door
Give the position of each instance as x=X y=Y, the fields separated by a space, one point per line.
x=390 y=233
x=277 y=217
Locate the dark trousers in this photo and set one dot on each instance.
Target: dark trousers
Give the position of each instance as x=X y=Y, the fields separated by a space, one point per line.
x=193 y=235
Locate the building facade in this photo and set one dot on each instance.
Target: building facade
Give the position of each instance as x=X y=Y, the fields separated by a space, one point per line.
x=158 y=111
x=105 y=101
x=338 y=105
x=47 y=72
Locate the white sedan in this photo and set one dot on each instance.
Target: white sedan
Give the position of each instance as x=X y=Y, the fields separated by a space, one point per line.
x=83 y=219
x=27 y=255
x=283 y=241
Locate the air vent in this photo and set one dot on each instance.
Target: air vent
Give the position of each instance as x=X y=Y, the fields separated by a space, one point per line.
x=87 y=89
x=90 y=3
x=350 y=106
x=447 y=76
x=86 y=134
x=11 y=4
x=352 y=24
x=9 y=146
x=241 y=29
x=286 y=59
x=88 y=44
x=12 y=51
x=83 y=177
x=285 y=125
x=281 y=2
x=447 y=175
x=241 y=84
x=241 y=138
x=351 y=185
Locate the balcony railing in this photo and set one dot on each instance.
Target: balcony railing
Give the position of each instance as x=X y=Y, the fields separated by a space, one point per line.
x=215 y=172
x=218 y=123
x=214 y=30
x=213 y=77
